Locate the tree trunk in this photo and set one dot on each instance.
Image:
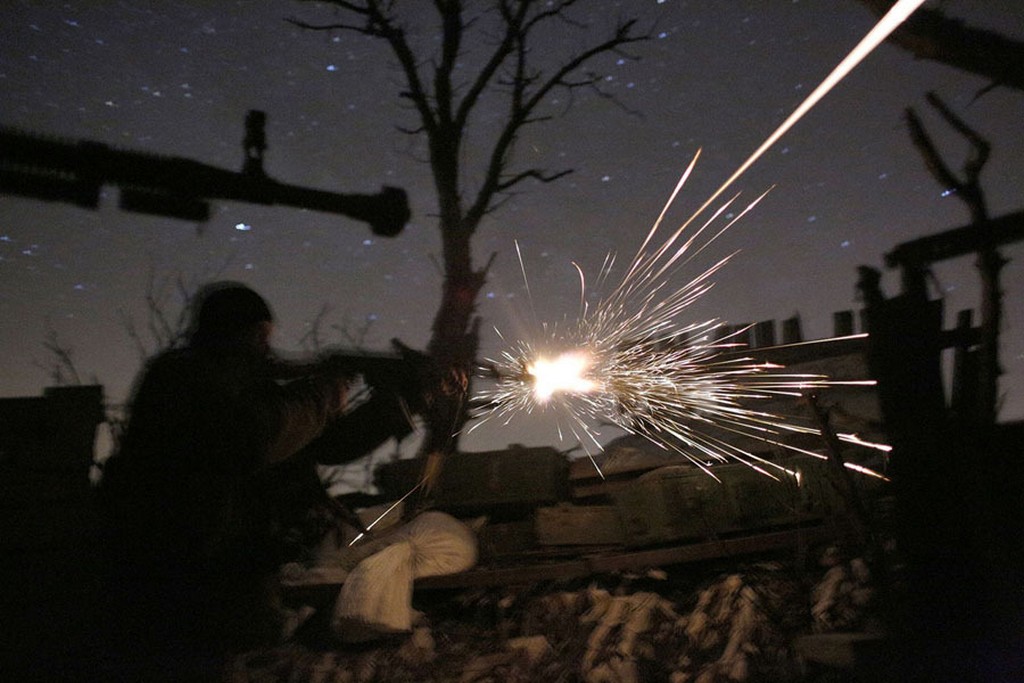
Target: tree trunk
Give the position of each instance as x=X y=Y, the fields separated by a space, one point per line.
x=454 y=342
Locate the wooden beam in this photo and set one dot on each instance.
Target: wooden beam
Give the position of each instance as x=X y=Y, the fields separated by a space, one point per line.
x=321 y=584
x=958 y=241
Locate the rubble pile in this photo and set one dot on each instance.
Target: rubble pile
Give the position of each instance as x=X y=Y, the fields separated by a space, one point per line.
x=737 y=625
x=741 y=628
x=841 y=600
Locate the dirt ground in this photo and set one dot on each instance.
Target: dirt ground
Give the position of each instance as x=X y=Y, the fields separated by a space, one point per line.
x=703 y=624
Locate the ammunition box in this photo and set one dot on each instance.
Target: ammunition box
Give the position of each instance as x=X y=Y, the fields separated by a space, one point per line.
x=513 y=481
x=579 y=525
x=683 y=502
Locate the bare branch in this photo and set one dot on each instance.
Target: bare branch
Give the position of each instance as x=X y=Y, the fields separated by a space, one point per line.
x=166 y=324
x=299 y=23
x=312 y=340
x=513 y=24
x=933 y=161
x=362 y=11
x=523 y=104
x=356 y=339
x=379 y=22
x=444 y=116
x=930 y=34
x=535 y=174
x=61 y=368
x=980 y=147
x=132 y=332
x=969 y=188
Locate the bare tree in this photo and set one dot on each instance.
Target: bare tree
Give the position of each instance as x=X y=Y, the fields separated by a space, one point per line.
x=445 y=95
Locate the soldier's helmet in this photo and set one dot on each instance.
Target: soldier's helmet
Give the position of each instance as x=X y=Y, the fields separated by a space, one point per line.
x=224 y=312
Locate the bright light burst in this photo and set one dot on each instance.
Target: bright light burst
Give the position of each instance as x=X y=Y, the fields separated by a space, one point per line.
x=565 y=373
x=632 y=361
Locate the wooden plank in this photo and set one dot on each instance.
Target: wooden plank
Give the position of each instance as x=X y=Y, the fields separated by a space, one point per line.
x=503 y=539
x=600 y=488
x=319 y=584
x=507 y=576
x=600 y=564
x=710 y=550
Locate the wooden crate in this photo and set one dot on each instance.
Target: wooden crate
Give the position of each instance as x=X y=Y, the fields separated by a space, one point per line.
x=517 y=479
x=683 y=502
x=592 y=480
x=579 y=525
x=504 y=539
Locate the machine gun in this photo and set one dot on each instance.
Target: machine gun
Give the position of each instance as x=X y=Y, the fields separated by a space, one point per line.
x=383 y=371
x=396 y=393
x=399 y=371
x=75 y=171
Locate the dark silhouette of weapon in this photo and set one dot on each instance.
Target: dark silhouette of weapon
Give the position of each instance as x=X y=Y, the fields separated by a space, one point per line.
x=75 y=171
x=399 y=380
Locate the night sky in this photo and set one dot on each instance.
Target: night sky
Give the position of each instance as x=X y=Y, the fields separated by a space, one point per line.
x=177 y=77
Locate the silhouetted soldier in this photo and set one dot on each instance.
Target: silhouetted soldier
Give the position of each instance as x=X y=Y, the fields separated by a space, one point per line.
x=189 y=552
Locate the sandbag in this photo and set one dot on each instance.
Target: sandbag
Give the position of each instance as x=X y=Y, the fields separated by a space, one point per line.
x=376 y=598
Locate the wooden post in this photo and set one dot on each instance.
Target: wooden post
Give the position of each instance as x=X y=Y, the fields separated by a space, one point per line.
x=964 y=389
x=842 y=480
x=764 y=333
x=791 y=332
x=989 y=265
x=742 y=334
x=842 y=323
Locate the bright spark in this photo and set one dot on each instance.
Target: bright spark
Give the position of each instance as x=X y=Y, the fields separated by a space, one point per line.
x=565 y=373
x=391 y=508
